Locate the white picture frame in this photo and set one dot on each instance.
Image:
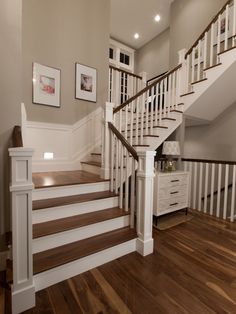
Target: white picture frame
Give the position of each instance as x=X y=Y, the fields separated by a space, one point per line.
x=85 y=83
x=46 y=85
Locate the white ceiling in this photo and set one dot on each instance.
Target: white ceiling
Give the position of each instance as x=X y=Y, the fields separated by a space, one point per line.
x=137 y=16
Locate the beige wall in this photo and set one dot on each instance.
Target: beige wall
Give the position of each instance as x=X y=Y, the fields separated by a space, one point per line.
x=153 y=58
x=10 y=92
x=188 y=20
x=214 y=141
x=59 y=33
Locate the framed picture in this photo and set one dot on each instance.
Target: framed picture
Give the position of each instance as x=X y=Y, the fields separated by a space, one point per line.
x=85 y=82
x=46 y=85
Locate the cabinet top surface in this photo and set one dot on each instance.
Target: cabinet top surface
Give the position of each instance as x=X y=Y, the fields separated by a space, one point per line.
x=171 y=173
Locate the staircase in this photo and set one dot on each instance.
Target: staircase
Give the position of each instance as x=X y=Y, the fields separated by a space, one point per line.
x=76 y=227
x=81 y=221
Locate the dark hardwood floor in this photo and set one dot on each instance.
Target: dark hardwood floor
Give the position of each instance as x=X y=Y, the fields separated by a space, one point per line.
x=193 y=270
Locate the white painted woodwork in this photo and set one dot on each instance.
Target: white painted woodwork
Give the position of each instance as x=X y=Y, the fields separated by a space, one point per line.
x=94 y=169
x=70 y=144
x=54 y=240
x=145 y=181
x=23 y=291
x=60 y=191
x=47 y=214
x=55 y=275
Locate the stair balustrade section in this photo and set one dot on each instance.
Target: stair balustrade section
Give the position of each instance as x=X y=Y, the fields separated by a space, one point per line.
x=123 y=85
x=149 y=108
x=213 y=185
x=219 y=36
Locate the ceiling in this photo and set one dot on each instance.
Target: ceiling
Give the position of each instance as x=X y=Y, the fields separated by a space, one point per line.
x=137 y=16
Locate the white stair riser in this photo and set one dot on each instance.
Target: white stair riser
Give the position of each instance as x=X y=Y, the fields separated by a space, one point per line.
x=48 y=214
x=58 y=239
x=155 y=131
x=55 y=275
x=96 y=158
x=91 y=169
x=60 y=191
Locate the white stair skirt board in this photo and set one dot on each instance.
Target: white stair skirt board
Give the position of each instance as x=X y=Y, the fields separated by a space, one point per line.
x=73 y=235
x=63 y=272
x=53 y=213
x=68 y=190
x=91 y=169
x=210 y=91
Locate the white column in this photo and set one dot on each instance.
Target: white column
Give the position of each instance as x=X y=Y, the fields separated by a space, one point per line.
x=23 y=291
x=182 y=77
x=108 y=117
x=145 y=176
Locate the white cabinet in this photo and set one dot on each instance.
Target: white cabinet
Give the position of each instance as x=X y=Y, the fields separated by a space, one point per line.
x=171 y=192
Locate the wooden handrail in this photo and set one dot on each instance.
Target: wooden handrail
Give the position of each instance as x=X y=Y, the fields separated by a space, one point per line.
x=222 y=162
x=130 y=149
x=17 y=140
x=207 y=28
x=216 y=192
x=118 y=108
x=126 y=72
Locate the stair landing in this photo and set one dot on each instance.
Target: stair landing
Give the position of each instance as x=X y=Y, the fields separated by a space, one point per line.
x=62 y=178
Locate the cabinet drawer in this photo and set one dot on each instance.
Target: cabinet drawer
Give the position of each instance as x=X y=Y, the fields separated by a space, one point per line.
x=172 y=192
x=172 y=181
x=171 y=205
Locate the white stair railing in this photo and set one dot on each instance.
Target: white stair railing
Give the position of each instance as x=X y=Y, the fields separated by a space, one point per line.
x=123 y=85
x=218 y=37
x=141 y=114
x=213 y=186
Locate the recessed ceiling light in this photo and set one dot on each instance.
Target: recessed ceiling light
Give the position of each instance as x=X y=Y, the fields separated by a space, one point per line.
x=157 y=18
x=136 y=36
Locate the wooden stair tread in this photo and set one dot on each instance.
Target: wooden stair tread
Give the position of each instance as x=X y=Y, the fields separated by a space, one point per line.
x=73 y=199
x=229 y=49
x=169 y=119
x=154 y=127
x=68 y=223
x=189 y=93
x=199 y=81
x=58 y=256
x=148 y=135
x=96 y=154
x=92 y=163
x=213 y=66
x=64 y=178
x=141 y=145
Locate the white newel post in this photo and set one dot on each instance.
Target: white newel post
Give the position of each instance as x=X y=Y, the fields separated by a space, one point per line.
x=183 y=73
x=145 y=176
x=23 y=291
x=108 y=117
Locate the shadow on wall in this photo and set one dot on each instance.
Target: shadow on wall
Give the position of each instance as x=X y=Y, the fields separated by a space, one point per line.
x=4 y=186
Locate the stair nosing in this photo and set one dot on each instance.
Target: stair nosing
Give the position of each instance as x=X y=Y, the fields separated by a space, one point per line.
x=118 y=213
x=66 y=203
x=92 y=163
x=131 y=235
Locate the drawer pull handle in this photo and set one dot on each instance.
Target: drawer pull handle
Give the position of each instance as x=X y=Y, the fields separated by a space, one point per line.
x=176 y=192
x=174 y=181
x=174 y=204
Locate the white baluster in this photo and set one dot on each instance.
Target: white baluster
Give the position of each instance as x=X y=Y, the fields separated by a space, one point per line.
x=206 y=187
x=193 y=66
x=233 y=212
x=112 y=146
x=126 y=179
x=218 y=37
x=226 y=191
x=131 y=122
x=205 y=51
x=152 y=109
x=199 y=60
x=226 y=27
x=212 y=188
x=121 y=175
x=195 y=185
x=212 y=45
x=200 y=188
x=142 y=101
x=219 y=190
x=146 y=95
x=162 y=96
x=234 y=23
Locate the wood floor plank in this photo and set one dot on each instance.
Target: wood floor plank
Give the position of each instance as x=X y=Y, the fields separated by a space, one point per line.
x=192 y=270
